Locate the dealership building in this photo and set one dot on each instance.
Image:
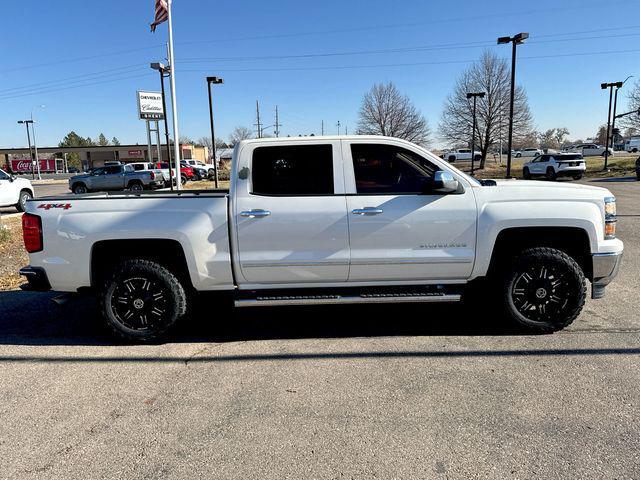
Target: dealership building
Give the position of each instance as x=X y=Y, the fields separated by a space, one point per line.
x=96 y=156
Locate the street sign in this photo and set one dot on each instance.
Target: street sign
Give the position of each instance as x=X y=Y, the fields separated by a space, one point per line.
x=150 y=106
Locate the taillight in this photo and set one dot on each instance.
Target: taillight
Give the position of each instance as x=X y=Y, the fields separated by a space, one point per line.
x=32 y=232
x=153 y=176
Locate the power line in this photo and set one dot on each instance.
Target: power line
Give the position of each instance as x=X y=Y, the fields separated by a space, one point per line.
x=74 y=87
x=408 y=64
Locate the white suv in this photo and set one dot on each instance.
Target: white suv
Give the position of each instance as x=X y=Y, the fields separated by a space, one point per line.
x=14 y=191
x=555 y=165
x=588 y=150
x=529 y=152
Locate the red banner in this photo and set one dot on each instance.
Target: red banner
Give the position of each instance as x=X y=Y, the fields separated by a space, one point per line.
x=24 y=166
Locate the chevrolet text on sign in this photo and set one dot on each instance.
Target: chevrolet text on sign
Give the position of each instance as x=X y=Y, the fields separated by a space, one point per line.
x=150 y=106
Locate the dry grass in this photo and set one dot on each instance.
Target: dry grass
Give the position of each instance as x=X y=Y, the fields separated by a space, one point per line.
x=619 y=166
x=205 y=185
x=12 y=254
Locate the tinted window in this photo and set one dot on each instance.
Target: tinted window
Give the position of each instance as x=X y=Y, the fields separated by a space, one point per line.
x=138 y=166
x=114 y=169
x=389 y=169
x=293 y=170
x=3 y=176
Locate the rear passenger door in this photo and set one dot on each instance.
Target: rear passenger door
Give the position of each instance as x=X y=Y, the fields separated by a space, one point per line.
x=290 y=214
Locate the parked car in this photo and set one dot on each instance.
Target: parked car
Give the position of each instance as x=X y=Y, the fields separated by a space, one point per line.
x=552 y=166
x=294 y=231
x=588 y=149
x=167 y=173
x=632 y=145
x=187 y=172
x=115 y=177
x=150 y=167
x=529 y=152
x=638 y=169
x=208 y=168
x=73 y=170
x=14 y=191
x=461 y=154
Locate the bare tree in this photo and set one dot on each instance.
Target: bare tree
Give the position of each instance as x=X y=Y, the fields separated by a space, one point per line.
x=633 y=121
x=560 y=136
x=385 y=111
x=492 y=76
x=239 y=134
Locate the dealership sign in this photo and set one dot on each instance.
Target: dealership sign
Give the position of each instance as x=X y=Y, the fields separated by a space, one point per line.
x=150 y=106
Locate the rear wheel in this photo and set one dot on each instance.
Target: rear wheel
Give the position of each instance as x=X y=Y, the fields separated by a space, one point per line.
x=518 y=155
x=544 y=290
x=577 y=177
x=452 y=159
x=25 y=195
x=526 y=174
x=183 y=178
x=142 y=300
x=551 y=174
x=136 y=187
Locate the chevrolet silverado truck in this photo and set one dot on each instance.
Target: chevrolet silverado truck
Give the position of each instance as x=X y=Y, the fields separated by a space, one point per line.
x=115 y=177
x=321 y=220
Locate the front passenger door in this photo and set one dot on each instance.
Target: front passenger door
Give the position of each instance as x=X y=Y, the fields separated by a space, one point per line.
x=399 y=230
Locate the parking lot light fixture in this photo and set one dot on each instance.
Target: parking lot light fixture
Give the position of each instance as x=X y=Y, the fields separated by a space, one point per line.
x=165 y=72
x=213 y=81
x=610 y=86
x=517 y=39
x=474 y=95
x=26 y=124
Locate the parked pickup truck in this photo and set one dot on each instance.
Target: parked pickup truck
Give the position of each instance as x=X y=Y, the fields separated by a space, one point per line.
x=115 y=177
x=320 y=220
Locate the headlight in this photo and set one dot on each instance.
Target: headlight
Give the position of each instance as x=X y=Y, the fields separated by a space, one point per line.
x=610 y=219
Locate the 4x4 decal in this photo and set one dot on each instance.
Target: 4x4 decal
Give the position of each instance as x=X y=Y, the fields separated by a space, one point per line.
x=49 y=206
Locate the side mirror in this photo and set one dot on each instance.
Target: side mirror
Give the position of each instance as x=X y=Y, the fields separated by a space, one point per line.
x=444 y=182
x=12 y=177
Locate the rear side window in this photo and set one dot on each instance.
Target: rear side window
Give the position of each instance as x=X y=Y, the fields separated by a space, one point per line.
x=293 y=170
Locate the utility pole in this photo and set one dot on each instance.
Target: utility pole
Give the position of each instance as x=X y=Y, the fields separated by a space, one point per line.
x=474 y=95
x=258 y=124
x=610 y=86
x=346 y=130
x=277 y=124
x=322 y=128
x=26 y=124
x=338 y=125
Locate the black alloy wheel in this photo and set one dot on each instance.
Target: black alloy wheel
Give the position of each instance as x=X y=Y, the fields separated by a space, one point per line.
x=142 y=300
x=545 y=290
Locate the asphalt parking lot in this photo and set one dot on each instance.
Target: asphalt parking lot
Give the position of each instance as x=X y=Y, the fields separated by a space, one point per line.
x=332 y=392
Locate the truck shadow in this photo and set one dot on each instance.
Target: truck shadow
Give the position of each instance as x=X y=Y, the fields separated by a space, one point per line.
x=29 y=318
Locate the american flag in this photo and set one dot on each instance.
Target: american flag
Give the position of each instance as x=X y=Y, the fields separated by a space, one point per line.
x=162 y=14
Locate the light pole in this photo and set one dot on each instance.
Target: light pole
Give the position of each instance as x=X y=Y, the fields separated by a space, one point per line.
x=35 y=143
x=615 y=105
x=515 y=40
x=26 y=124
x=164 y=72
x=610 y=86
x=213 y=81
x=474 y=95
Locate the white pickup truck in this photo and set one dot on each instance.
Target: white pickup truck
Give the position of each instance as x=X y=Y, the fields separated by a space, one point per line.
x=322 y=220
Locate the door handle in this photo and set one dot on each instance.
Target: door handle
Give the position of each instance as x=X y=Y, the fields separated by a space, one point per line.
x=255 y=213
x=367 y=211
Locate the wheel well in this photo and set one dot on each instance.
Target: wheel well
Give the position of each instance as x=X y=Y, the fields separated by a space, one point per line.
x=108 y=253
x=571 y=240
x=134 y=181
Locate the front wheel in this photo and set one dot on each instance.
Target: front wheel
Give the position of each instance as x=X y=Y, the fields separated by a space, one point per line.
x=544 y=290
x=25 y=196
x=577 y=177
x=142 y=300
x=518 y=155
x=79 y=189
x=526 y=174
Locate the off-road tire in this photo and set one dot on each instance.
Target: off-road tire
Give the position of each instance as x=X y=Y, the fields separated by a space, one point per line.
x=526 y=174
x=22 y=200
x=132 y=297
x=544 y=290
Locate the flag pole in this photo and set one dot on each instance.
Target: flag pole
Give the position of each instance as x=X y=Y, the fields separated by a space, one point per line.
x=172 y=78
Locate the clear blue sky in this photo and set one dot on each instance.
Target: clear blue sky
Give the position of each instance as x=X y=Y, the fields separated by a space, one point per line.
x=52 y=51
